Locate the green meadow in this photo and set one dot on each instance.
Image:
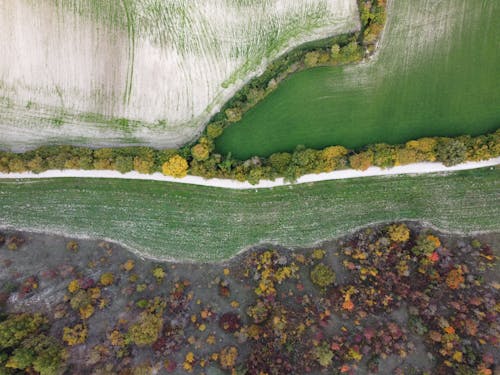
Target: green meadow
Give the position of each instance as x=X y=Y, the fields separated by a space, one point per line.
x=437 y=73
x=169 y=220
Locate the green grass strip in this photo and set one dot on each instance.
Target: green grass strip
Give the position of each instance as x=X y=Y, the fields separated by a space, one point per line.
x=169 y=220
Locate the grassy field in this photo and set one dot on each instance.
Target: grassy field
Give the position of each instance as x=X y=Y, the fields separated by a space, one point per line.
x=120 y=72
x=437 y=73
x=208 y=224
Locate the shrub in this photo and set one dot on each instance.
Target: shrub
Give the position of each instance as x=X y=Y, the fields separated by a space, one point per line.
x=228 y=357
x=280 y=161
x=258 y=312
x=72 y=246
x=475 y=243
x=4 y=163
x=103 y=153
x=79 y=300
x=103 y=164
x=159 y=274
x=74 y=286
x=351 y=52
x=116 y=338
x=14 y=242
x=200 y=152
x=146 y=330
x=16 y=166
x=311 y=59
x=322 y=275
x=234 y=114
x=162 y=156
x=335 y=52
x=404 y=156
x=426 y=244
x=75 y=335
x=318 y=254
x=86 y=311
x=323 y=354
x=144 y=164
x=128 y=265
x=176 y=167
x=36 y=165
x=384 y=155
x=398 y=233
x=305 y=160
x=425 y=146
x=107 y=278
x=215 y=129
x=361 y=161
x=331 y=157
x=451 y=151
x=230 y=322
x=455 y=278
x=124 y=164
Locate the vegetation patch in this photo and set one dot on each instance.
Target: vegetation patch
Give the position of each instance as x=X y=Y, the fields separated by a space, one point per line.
x=393 y=308
x=202 y=160
x=433 y=68
x=169 y=220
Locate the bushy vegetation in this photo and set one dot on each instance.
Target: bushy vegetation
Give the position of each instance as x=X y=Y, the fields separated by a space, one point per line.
x=407 y=299
x=201 y=160
x=322 y=275
x=26 y=347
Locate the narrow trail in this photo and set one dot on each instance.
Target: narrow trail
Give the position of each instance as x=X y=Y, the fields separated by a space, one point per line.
x=416 y=168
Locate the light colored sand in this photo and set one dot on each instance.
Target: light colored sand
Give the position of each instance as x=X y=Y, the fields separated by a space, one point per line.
x=417 y=168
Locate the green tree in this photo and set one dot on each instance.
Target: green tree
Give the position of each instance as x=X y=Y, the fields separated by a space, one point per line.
x=306 y=159
x=335 y=52
x=16 y=165
x=322 y=275
x=200 y=152
x=451 y=151
x=124 y=164
x=36 y=164
x=384 y=155
x=146 y=330
x=16 y=328
x=234 y=114
x=351 y=52
x=144 y=164
x=311 y=59
x=280 y=161
x=215 y=129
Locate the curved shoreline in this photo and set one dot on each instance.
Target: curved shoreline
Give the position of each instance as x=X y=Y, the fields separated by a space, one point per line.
x=416 y=168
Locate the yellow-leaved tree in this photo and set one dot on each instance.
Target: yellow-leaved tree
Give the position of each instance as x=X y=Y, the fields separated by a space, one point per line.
x=331 y=157
x=176 y=166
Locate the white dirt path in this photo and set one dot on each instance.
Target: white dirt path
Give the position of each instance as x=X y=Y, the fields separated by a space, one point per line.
x=416 y=168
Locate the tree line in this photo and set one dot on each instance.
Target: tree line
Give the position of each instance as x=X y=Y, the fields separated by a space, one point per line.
x=202 y=160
